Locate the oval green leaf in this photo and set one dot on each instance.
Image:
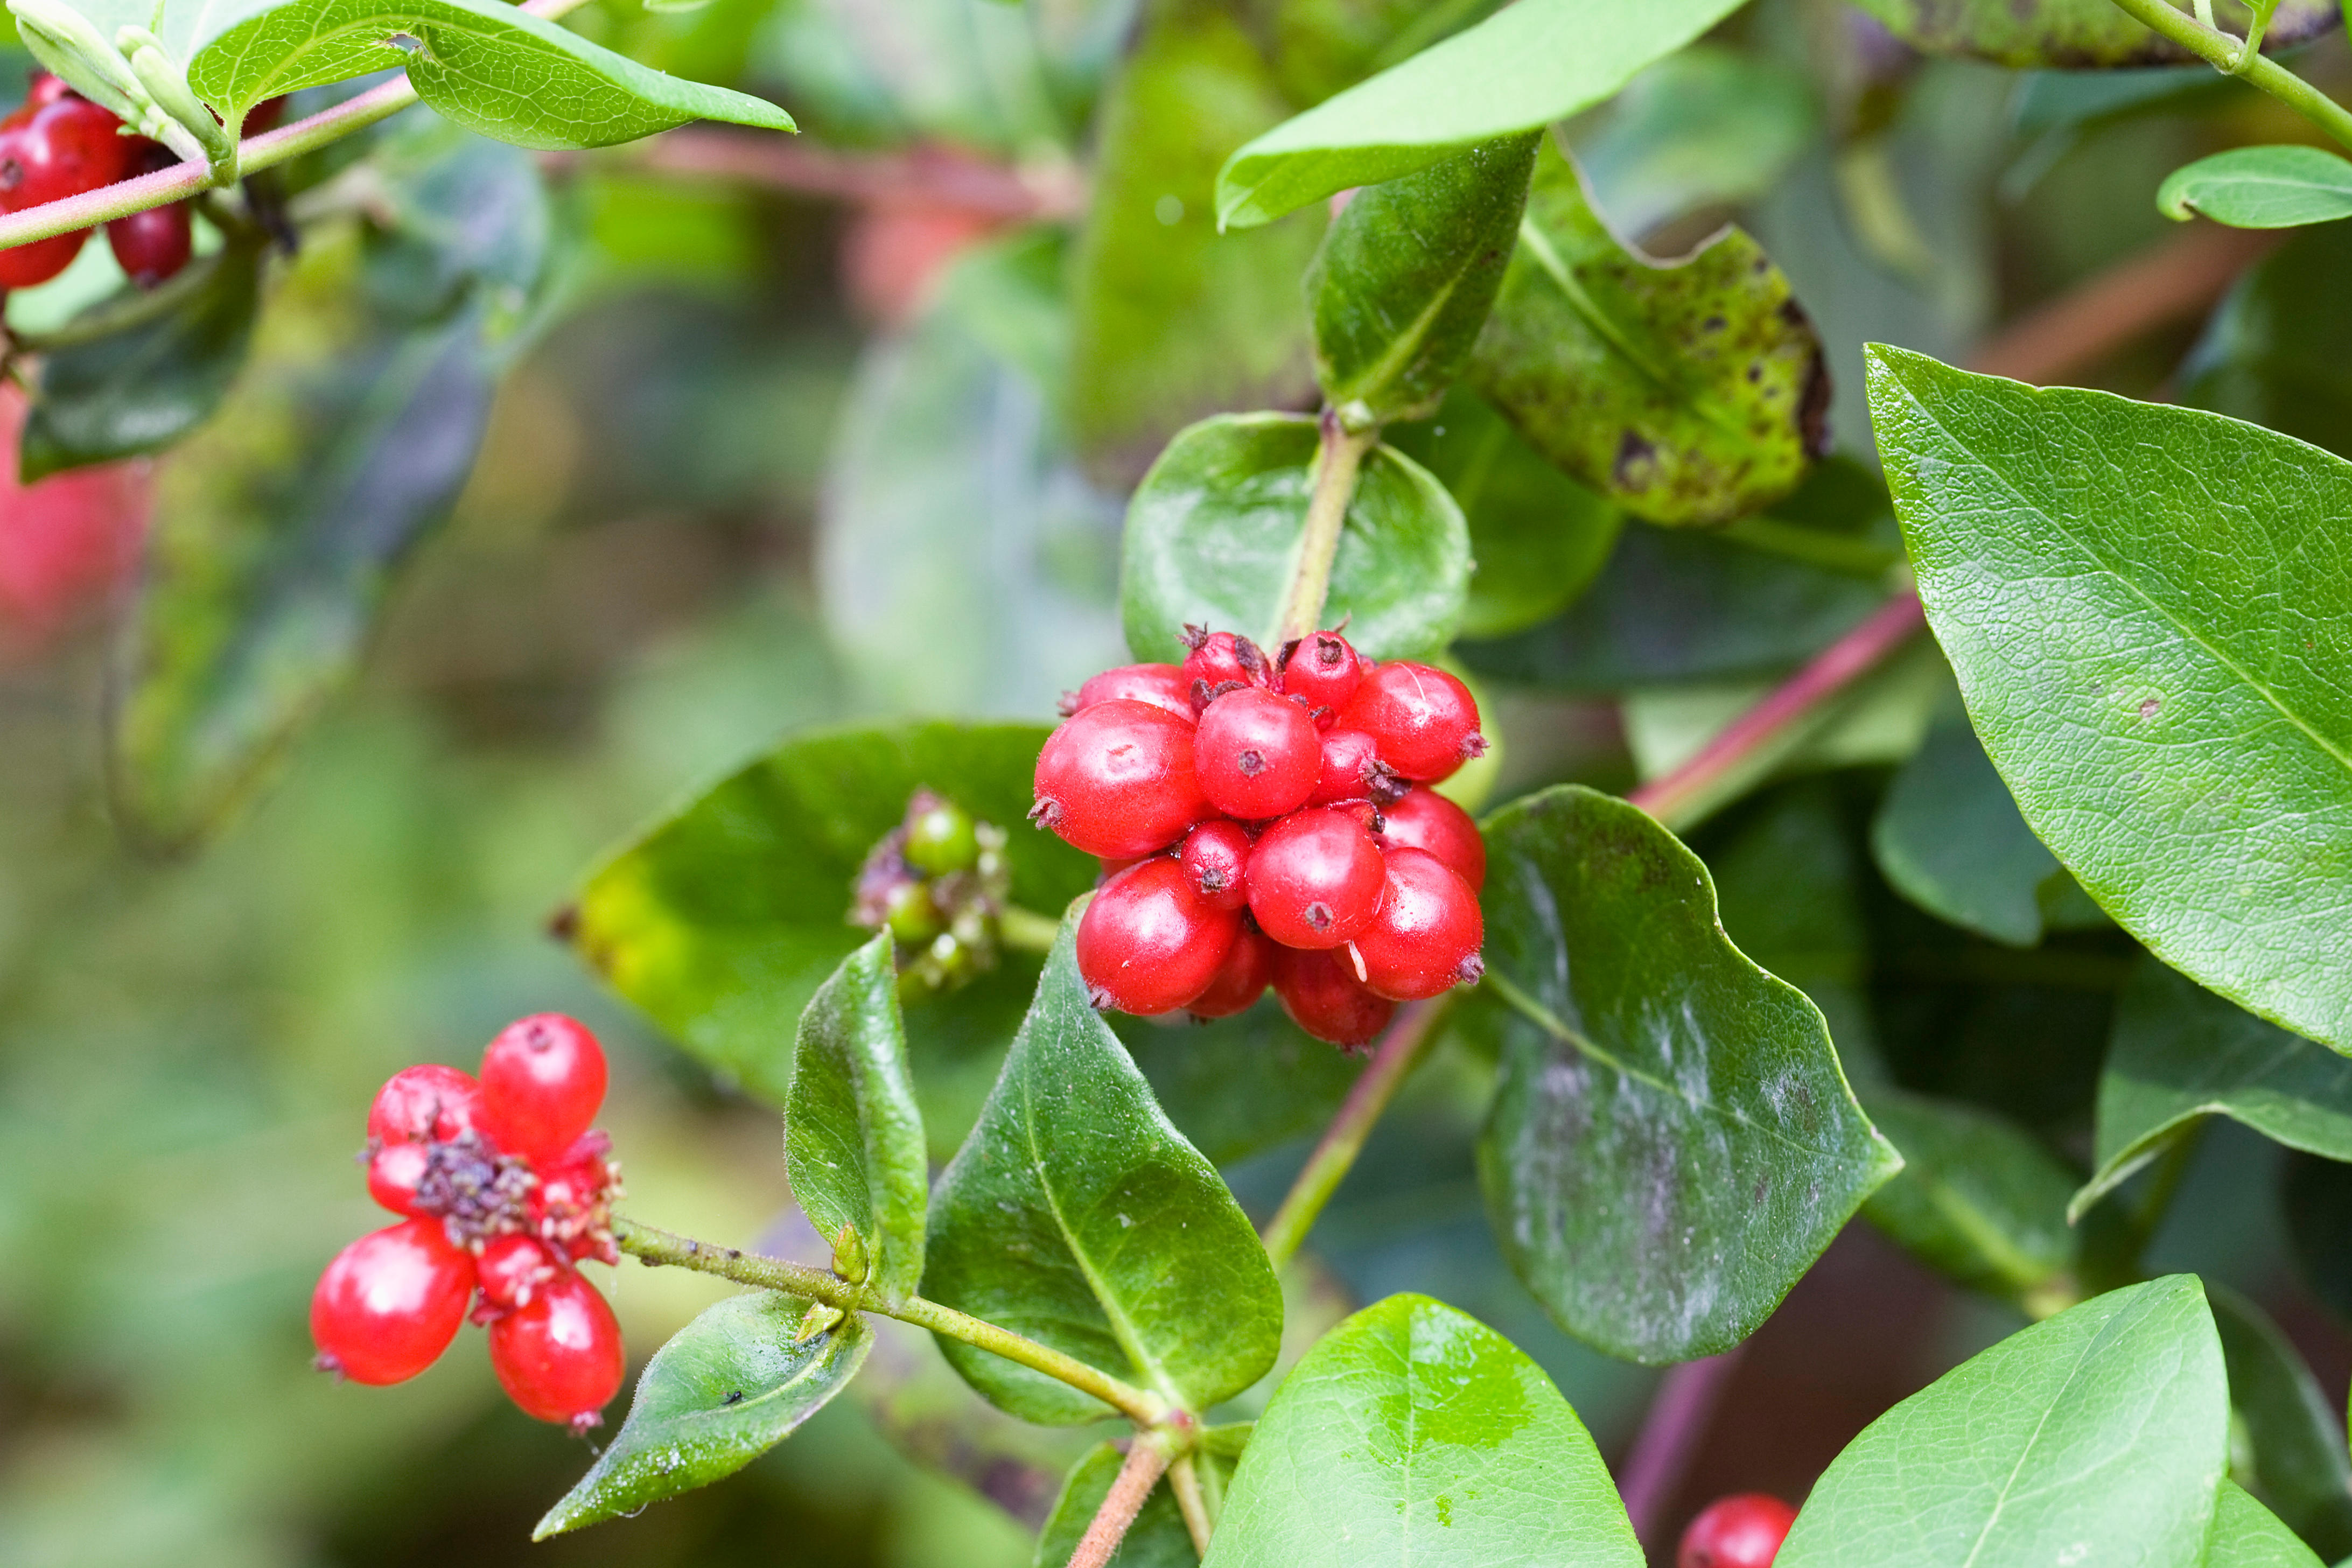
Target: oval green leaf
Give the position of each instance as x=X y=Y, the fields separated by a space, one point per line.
x=2248 y=1535
x=2158 y=668
x=2074 y=35
x=727 y=1388
x=1213 y=534
x=2300 y=1466
x=2261 y=187
x=1412 y=1434
x=1078 y=1215
x=1673 y=1142
x=1979 y=1199
x=2099 y=1435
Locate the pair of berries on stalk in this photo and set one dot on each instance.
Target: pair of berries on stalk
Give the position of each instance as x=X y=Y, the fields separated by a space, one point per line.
x=505 y=1189
x=1268 y=822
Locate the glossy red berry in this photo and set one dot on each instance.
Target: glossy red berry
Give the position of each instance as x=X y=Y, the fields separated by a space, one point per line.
x=1116 y=780
x=1425 y=820
x=542 y=1084
x=394 y=1170
x=1741 y=1532
x=1350 y=769
x=1323 y=996
x=1162 y=685
x=153 y=244
x=68 y=146
x=1216 y=658
x=1148 y=944
x=391 y=1302
x=1242 y=978
x=1216 y=863
x=571 y=1207
x=1315 y=877
x=425 y=1103
x=559 y=1355
x=1425 y=720
x=1257 y=755
x=1425 y=939
x=1323 y=670
x=512 y=1269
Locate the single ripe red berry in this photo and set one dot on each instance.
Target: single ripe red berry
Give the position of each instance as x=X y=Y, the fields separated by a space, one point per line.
x=1315 y=877
x=1322 y=668
x=1116 y=780
x=151 y=246
x=1425 y=720
x=428 y=1102
x=559 y=1355
x=1425 y=820
x=1350 y=769
x=1256 y=754
x=26 y=265
x=1162 y=685
x=1323 y=996
x=1425 y=939
x=1242 y=978
x=391 y=1302
x=1739 y=1532
x=512 y=1269
x=67 y=147
x=393 y=1173
x=1148 y=944
x=542 y=1083
x=1216 y=862
x=1216 y=658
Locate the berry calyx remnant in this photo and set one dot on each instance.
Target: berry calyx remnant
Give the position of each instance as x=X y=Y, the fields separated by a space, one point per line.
x=1148 y=944
x=1321 y=670
x=1216 y=862
x=1425 y=722
x=1744 y=1530
x=1257 y=755
x=1214 y=660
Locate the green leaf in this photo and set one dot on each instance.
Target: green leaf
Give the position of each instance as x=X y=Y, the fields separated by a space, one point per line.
x=2301 y=1469
x=1173 y=321
x=2248 y=1535
x=2102 y=1433
x=1413 y=1433
x=2315 y=1200
x=1523 y=68
x=722 y=921
x=2157 y=669
x=1157 y=1539
x=142 y=389
x=1235 y=1086
x=1405 y=277
x=2181 y=1054
x=2261 y=187
x=1689 y=394
x=1980 y=1199
x=853 y=1139
x=2073 y=35
x=1077 y=1214
x=489 y=67
x=2278 y=352
x=727 y=1388
x=1538 y=538
x=1214 y=532
x=1673 y=1143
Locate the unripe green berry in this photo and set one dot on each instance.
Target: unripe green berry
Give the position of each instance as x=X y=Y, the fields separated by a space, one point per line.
x=939 y=838
x=911 y=915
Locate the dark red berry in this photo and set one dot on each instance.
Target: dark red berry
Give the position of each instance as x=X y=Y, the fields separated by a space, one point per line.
x=391 y=1302
x=263 y=116
x=151 y=246
x=1322 y=668
x=1741 y=1532
x=1425 y=720
x=512 y=1269
x=542 y=1084
x=570 y=1208
x=428 y=1102
x=1242 y=978
x=1315 y=877
x=1218 y=657
x=1148 y=944
x=1116 y=780
x=1256 y=754
x=67 y=147
x=1162 y=685
x=1350 y=769
x=559 y=1355
x=1323 y=996
x=1425 y=939
x=393 y=1173
x=1425 y=820
x=1216 y=862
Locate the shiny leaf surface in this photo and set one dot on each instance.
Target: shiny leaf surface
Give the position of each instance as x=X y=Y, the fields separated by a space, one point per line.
x=2261 y=187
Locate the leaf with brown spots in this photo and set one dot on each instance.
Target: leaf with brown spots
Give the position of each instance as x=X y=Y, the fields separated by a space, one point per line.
x=2076 y=34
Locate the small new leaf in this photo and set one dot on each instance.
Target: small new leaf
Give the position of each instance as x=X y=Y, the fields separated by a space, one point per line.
x=2261 y=187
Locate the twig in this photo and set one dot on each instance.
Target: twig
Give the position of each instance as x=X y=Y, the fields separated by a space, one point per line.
x=1184 y=1480
x=1670 y=1437
x=1146 y=1458
x=2232 y=58
x=1338 y=454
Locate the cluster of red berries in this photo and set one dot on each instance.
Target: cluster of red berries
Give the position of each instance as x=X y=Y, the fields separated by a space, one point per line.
x=505 y=1189
x=1740 y=1531
x=1268 y=822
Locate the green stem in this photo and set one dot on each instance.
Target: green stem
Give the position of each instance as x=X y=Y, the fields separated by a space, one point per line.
x=662 y=1248
x=1026 y=931
x=1344 y=1139
x=2229 y=55
x=1184 y=1480
x=1339 y=455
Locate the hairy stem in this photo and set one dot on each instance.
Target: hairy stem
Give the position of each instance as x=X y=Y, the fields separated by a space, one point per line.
x=1338 y=454
x=1146 y=1458
x=1400 y=1049
x=1192 y=1502
x=1670 y=1437
x=2232 y=58
x=661 y=1247
x=1026 y=931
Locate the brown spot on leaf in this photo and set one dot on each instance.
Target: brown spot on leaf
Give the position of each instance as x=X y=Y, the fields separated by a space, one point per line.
x=1636 y=454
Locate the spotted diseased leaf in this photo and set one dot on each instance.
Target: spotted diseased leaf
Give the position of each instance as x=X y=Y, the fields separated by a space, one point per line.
x=2261 y=187
x=2074 y=35
x=1689 y=393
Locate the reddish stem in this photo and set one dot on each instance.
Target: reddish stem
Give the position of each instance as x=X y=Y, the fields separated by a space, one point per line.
x=1670 y=1436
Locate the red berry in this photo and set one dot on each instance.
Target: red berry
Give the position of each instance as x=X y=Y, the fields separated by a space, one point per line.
x=394 y=1171
x=1256 y=754
x=1162 y=685
x=1242 y=978
x=512 y=1269
x=1425 y=820
x=45 y=88
x=1116 y=780
x=1323 y=996
x=1741 y=1532
x=151 y=246
x=1314 y=879
x=391 y=1302
x=1148 y=944
x=263 y=116
x=542 y=1083
x=571 y=1207
x=1323 y=668
x=425 y=1103
x=1216 y=863
x=68 y=146
x=1425 y=939
x=1425 y=720
x=23 y=266
x=1350 y=769
x=558 y=1356
x=1218 y=657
